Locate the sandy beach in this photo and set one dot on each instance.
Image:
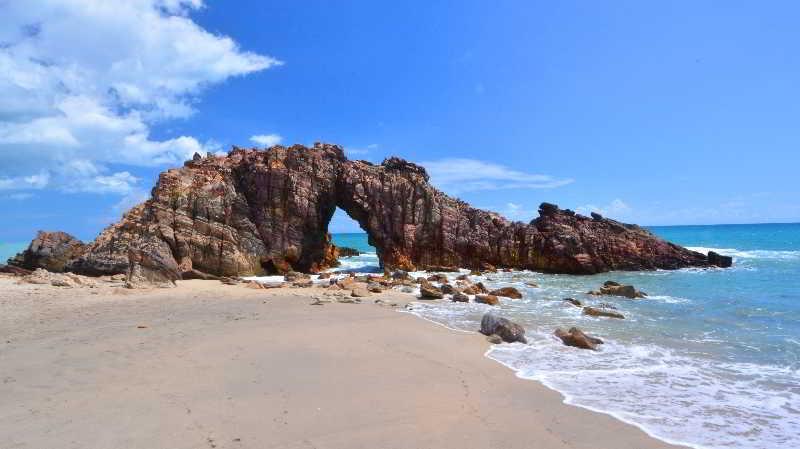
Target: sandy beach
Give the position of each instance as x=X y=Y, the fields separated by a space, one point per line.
x=216 y=366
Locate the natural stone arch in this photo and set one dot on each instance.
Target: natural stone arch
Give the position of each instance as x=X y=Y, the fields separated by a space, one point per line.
x=256 y=211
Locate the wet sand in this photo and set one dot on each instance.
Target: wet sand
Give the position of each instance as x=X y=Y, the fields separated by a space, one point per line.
x=206 y=365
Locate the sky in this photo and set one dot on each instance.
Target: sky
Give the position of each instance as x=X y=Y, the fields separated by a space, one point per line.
x=665 y=113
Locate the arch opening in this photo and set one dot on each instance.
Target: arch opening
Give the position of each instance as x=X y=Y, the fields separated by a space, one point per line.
x=347 y=234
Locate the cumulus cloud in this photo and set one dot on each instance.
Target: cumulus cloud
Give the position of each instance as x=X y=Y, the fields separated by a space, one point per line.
x=615 y=209
x=266 y=140
x=84 y=81
x=457 y=175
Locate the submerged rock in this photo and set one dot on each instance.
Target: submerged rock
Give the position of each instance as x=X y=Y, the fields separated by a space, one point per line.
x=575 y=337
x=591 y=311
x=508 y=331
x=573 y=301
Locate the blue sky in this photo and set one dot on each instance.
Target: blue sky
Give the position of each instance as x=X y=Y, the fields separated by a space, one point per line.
x=672 y=113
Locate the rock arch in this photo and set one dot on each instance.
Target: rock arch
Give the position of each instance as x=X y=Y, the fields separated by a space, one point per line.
x=256 y=211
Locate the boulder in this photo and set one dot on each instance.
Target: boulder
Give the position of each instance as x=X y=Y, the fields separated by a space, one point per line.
x=487 y=299
x=612 y=288
x=324 y=275
x=575 y=337
x=430 y=292
x=459 y=297
x=573 y=301
x=591 y=311
x=400 y=275
x=719 y=260
x=447 y=289
x=508 y=292
x=49 y=250
x=508 y=331
x=374 y=287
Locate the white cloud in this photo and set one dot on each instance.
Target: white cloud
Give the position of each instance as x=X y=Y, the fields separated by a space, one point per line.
x=456 y=175
x=84 y=81
x=266 y=140
x=615 y=209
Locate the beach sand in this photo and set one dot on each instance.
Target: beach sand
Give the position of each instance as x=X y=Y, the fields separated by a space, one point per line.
x=206 y=365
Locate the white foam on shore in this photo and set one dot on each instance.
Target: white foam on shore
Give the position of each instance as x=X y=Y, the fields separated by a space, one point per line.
x=676 y=397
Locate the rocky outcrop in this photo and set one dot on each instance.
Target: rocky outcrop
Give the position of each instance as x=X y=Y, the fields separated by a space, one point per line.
x=508 y=331
x=719 y=260
x=49 y=250
x=267 y=211
x=345 y=251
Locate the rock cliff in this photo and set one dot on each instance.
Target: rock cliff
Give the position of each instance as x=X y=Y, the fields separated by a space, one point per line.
x=266 y=211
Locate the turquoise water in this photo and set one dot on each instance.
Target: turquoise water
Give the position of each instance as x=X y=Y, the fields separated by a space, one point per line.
x=353 y=240
x=10 y=249
x=710 y=359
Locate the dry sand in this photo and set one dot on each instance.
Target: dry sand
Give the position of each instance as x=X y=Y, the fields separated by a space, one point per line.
x=206 y=365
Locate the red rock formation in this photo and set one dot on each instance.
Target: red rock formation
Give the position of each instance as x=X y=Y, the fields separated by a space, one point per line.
x=260 y=211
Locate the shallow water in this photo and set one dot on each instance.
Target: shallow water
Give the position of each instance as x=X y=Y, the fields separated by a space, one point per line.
x=711 y=358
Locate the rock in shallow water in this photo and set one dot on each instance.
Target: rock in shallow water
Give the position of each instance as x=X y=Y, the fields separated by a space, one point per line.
x=508 y=331
x=612 y=288
x=427 y=291
x=487 y=299
x=591 y=311
x=576 y=337
x=508 y=292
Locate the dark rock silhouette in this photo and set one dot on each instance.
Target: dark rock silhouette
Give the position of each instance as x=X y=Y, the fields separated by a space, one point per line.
x=49 y=250
x=267 y=211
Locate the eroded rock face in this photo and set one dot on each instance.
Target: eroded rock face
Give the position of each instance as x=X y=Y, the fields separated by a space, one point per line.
x=267 y=211
x=50 y=251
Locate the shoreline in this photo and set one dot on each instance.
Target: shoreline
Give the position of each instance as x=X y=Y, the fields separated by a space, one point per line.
x=408 y=368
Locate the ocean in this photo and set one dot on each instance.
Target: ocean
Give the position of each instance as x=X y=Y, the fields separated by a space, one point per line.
x=710 y=359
